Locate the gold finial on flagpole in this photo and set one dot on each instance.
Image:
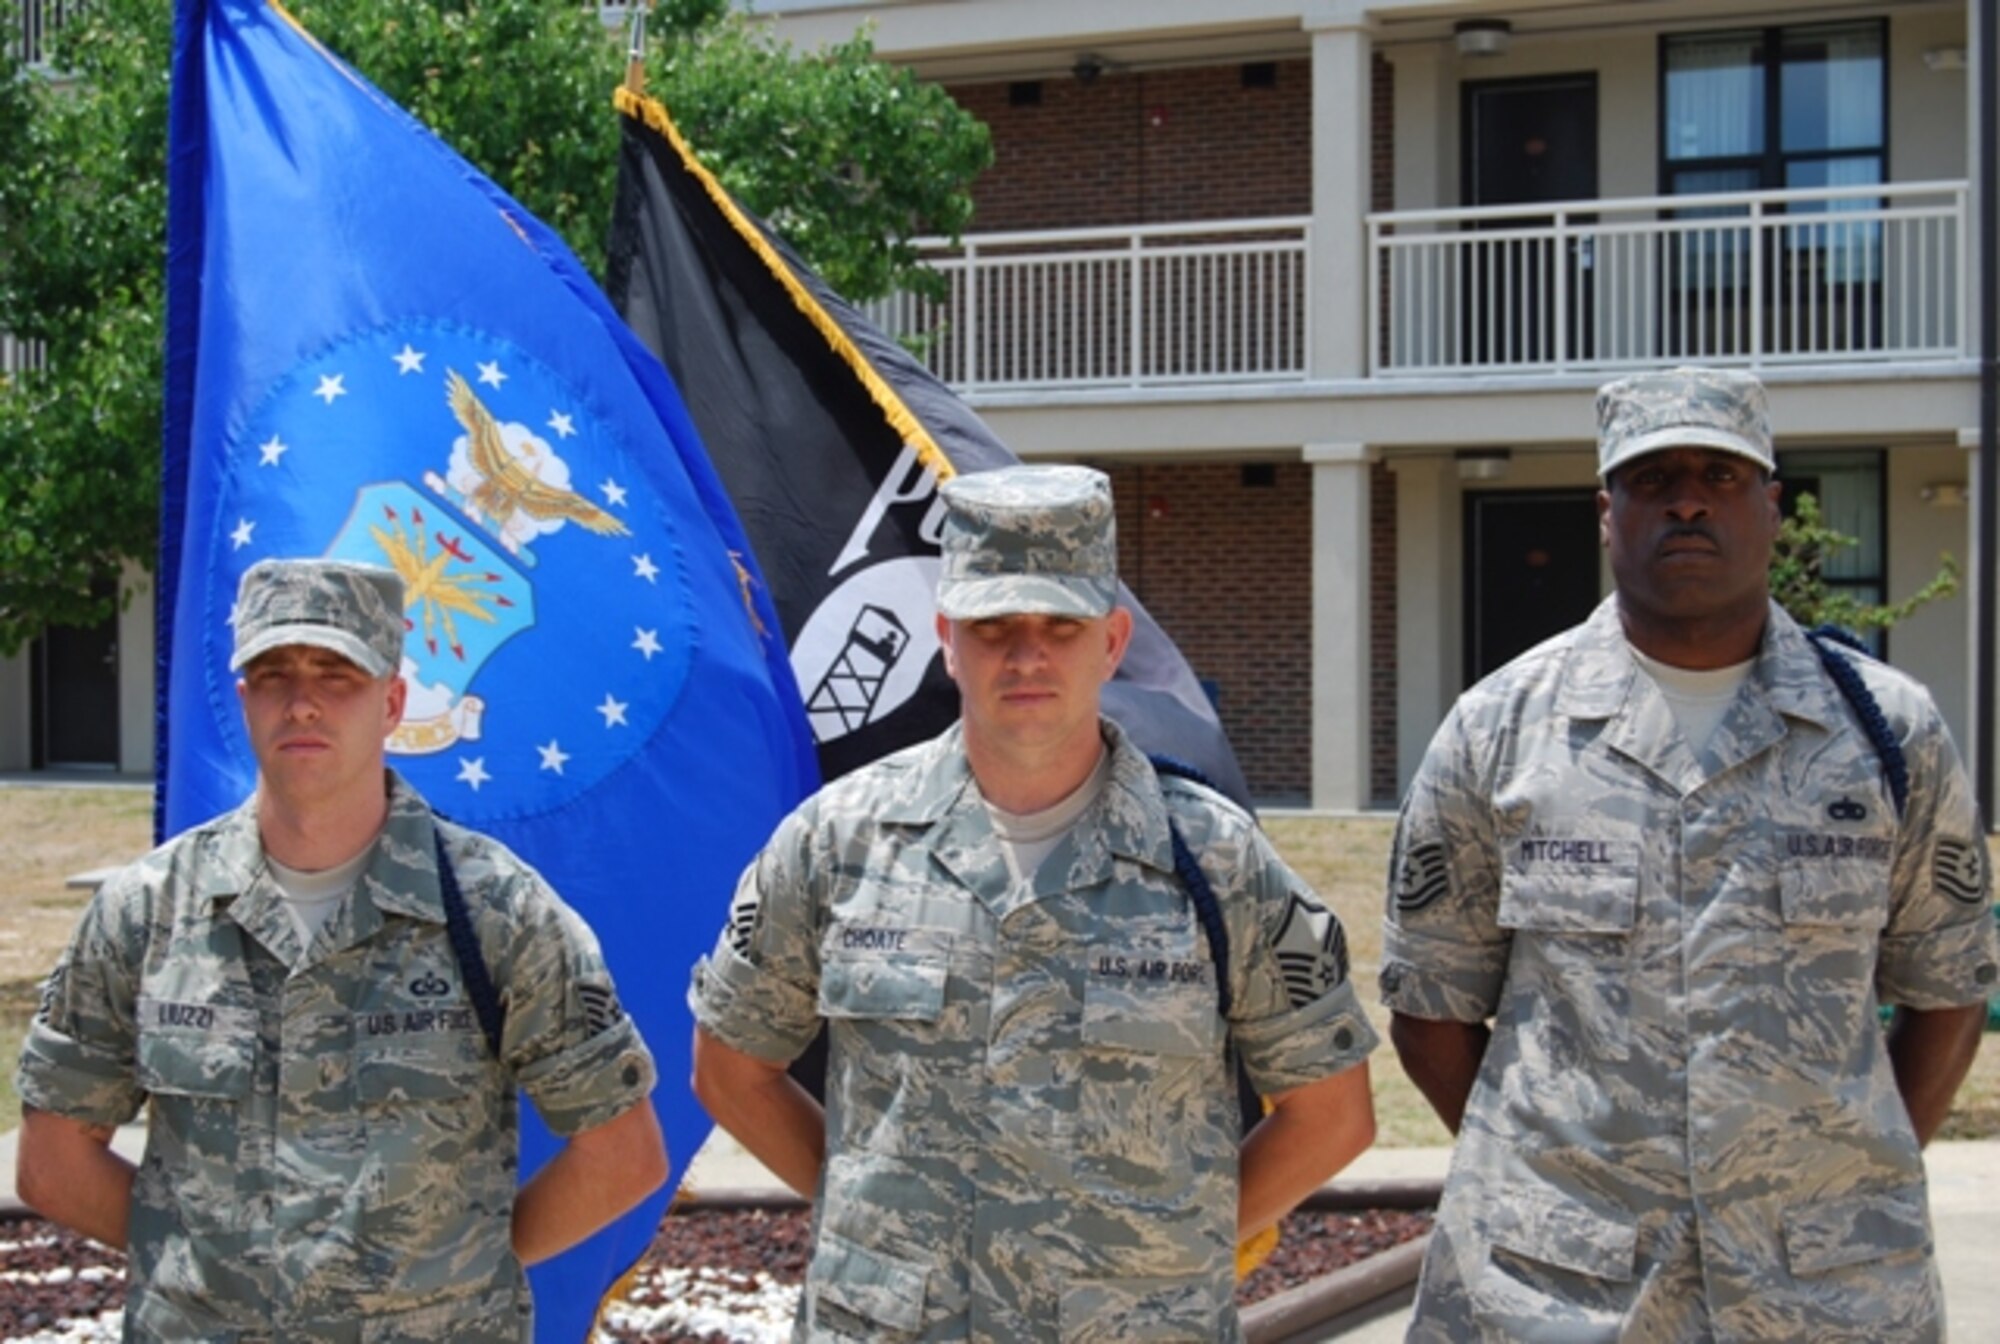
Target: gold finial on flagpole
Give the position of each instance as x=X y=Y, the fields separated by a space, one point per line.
x=635 y=56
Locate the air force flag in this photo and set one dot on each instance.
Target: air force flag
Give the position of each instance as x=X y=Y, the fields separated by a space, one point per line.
x=373 y=353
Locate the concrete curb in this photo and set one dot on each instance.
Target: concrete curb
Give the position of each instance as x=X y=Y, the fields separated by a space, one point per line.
x=1399 y=1193
x=1297 y=1310
x=1339 y=1196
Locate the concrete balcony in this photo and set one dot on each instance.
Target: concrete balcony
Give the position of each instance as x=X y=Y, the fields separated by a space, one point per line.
x=1829 y=276
x=1855 y=278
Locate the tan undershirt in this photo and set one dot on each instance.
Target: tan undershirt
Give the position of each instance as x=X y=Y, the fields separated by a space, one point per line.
x=312 y=899
x=1026 y=838
x=1699 y=698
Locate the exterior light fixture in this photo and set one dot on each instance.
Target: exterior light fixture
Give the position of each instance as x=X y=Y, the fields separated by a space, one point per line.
x=1482 y=37
x=1483 y=464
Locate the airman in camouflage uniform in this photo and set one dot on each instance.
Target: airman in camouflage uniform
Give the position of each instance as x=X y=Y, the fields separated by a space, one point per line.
x=1685 y=1123
x=1031 y=1127
x=331 y=1148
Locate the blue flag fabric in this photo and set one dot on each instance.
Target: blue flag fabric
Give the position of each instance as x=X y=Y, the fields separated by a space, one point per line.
x=374 y=353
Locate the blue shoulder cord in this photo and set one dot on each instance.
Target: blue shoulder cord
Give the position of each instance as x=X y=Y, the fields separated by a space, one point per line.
x=1250 y=1106
x=465 y=946
x=1206 y=908
x=1866 y=708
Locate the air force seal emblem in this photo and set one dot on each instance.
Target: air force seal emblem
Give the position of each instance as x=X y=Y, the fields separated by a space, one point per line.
x=546 y=611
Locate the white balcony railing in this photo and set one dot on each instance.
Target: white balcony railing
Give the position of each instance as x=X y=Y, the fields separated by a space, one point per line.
x=1131 y=307
x=1829 y=275
x=35 y=23
x=17 y=355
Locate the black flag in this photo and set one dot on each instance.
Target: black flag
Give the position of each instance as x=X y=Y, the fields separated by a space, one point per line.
x=831 y=440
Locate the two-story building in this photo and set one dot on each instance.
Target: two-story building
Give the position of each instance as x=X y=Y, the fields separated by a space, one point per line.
x=74 y=697
x=1326 y=285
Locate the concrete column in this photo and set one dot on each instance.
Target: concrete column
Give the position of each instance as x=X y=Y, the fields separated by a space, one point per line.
x=1977 y=12
x=135 y=672
x=1424 y=114
x=16 y=710
x=1337 y=261
x=1965 y=729
x=1340 y=628
x=1429 y=607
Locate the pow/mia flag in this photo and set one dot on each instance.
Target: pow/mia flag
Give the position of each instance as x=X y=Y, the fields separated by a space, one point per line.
x=831 y=441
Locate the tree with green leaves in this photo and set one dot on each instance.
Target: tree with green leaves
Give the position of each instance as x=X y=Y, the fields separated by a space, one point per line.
x=849 y=158
x=1798 y=577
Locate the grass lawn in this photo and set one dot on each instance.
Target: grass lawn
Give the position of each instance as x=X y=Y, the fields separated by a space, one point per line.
x=52 y=833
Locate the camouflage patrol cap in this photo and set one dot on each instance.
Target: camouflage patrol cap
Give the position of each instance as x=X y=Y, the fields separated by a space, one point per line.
x=1028 y=541
x=354 y=610
x=1682 y=408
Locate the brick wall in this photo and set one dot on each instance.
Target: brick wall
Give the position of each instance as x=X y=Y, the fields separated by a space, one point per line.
x=1226 y=569
x=1148 y=147
x=1381 y=634
x=1382 y=484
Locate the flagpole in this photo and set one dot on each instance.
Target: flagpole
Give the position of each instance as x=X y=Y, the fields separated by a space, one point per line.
x=635 y=56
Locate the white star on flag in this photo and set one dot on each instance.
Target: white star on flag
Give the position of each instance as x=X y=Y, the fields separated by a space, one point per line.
x=644 y=568
x=331 y=385
x=613 y=710
x=408 y=360
x=240 y=537
x=490 y=374
x=562 y=425
x=473 y=772
x=614 y=493
x=553 y=755
x=271 y=451
x=230 y=620
x=648 y=642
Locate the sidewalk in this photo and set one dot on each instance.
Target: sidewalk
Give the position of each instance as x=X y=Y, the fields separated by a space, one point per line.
x=1965 y=1213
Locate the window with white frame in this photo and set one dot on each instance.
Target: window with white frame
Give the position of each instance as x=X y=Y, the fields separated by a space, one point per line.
x=1847 y=485
x=1762 y=109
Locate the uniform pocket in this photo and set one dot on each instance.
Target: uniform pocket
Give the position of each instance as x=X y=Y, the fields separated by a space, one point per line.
x=209 y=1053
x=1854 y=1230
x=1570 y=971
x=1552 y=1230
x=1833 y=918
x=1554 y=1268
x=199 y=1069
x=1861 y=1268
x=854 y=1292
x=1160 y=1311
x=883 y=972
x=1155 y=1104
x=1153 y=1016
x=427 y=1105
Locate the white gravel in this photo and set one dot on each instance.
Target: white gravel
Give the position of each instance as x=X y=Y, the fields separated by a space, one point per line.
x=704 y=1300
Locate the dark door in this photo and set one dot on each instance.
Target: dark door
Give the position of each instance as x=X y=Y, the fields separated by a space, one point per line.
x=1527 y=141
x=77 y=672
x=1530 y=570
